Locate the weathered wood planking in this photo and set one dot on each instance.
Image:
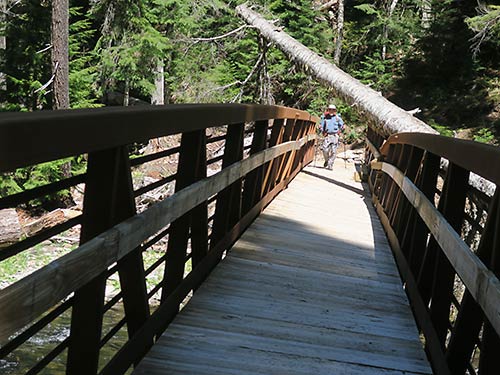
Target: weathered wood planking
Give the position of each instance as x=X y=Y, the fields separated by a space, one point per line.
x=310 y=287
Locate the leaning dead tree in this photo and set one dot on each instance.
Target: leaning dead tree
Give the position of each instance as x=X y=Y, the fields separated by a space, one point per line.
x=386 y=116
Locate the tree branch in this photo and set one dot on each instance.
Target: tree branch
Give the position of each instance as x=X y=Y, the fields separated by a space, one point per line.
x=327 y=5
x=245 y=81
x=212 y=39
x=49 y=82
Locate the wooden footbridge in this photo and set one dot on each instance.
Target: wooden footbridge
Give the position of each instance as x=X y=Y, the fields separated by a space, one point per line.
x=272 y=265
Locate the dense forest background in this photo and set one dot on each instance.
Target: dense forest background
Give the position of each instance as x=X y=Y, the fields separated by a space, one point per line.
x=441 y=56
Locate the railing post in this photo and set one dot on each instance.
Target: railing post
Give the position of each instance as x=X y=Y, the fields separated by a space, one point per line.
x=281 y=162
x=108 y=200
x=414 y=242
x=270 y=168
x=289 y=157
x=189 y=155
x=470 y=316
x=452 y=204
x=199 y=214
x=228 y=206
x=253 y=181
x=401 y=215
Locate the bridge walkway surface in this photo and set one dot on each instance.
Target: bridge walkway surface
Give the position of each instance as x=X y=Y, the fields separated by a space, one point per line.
x=310 y=288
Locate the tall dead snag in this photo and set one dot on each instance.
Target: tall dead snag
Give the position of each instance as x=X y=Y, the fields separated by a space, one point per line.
x=60 y=52
x=340 y=32
x=3 y=41
x=385 y=32
x=386 y=116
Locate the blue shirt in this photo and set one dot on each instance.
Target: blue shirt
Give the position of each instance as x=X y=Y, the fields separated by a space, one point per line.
x=331 y=123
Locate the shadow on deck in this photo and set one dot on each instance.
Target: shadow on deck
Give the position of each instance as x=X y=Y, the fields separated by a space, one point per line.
x=310 y=287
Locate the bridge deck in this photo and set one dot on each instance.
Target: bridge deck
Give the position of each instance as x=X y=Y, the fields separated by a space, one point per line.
x=310 y=288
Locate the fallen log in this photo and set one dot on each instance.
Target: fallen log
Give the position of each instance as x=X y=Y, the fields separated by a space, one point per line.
x=387 y=117
x=10 y=228
x=49 y=220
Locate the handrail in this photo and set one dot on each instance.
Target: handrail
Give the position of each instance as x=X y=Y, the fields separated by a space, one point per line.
x=62 y=276
x=482 y=159
x=483 y=285
x=428 y=239
x=210 y=213
x=36 y=137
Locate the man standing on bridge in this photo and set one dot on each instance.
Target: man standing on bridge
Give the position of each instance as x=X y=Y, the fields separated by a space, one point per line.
x=331 y=125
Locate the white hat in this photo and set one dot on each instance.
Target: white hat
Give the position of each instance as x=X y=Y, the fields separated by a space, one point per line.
x=332 y=106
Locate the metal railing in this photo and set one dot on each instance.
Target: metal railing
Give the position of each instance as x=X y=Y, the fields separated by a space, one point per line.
x=194 y=226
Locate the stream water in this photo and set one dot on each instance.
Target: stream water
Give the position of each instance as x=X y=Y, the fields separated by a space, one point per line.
x=26 y=356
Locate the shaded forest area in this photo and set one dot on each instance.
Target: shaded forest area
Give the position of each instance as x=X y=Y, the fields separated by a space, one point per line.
x=440 y=56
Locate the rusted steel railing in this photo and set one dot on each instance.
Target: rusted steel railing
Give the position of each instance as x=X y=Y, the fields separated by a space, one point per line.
x=445 y=235
x=114 y=237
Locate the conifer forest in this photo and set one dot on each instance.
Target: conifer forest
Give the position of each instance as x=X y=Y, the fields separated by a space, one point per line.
x=439 y=59
x=439 y=56
x=127 y=213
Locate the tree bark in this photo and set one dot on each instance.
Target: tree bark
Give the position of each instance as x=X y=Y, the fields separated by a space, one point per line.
x=426 y=8
x=158 y=96
x=3 y=42
x=328 y=5
x=59 y=53
x=10 y=229
x=340 y=32
x=386 y=116
x=385 y=33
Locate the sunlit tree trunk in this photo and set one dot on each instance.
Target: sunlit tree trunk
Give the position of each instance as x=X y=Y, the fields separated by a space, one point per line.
x=385 y=32
x=158 y=96
x=386 y=116
x=126 y=94
x=59 y=53
x=340 y=32
x=426 y=7
x=3 y=41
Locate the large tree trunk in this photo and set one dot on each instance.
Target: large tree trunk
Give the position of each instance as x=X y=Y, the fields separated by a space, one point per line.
x=386 y=116
x=60 y=58
x=340 y=32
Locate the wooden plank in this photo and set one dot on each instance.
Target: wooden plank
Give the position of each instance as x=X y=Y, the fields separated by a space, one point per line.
x=199 y=214
x=189 y=155
x=253 y=181
x=103 y=172
x=44 y=288
x=128 y=354
x=228 y=206
x=279 y=303
x=102 y=128
x=483 y=285
x=453 y=194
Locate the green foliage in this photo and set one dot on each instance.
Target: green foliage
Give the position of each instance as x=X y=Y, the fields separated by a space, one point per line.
x=376 y=72
x=82 y=71
x=116 y=46
x=27 y=69
x=486 y=24
x=39 y=175
x=443 y=130
x=484 y=135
